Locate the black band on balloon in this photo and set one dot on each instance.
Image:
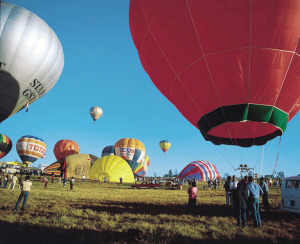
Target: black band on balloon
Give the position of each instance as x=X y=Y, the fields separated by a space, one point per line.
x=240 y=113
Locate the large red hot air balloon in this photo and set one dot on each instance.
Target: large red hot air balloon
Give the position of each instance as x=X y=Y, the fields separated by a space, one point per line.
x=232 y=68
x=65 y=148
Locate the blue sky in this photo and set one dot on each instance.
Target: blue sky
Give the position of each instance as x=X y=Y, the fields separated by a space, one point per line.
x=102 y=68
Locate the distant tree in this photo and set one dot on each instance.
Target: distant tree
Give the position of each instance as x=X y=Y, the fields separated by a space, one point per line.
x=166 y=175
x=155 y=174
x=280 y=174
x=175 y=172
x=226 y=175
x=170 y=173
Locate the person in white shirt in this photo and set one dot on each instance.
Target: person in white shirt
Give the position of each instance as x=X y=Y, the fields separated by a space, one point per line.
x=24 y=194
x=14 y=181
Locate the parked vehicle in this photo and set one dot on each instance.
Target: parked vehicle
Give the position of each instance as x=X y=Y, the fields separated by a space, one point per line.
x=145 y=185
x=290 y=194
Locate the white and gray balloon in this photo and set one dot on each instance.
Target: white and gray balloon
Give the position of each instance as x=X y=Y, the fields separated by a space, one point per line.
x=31 y=58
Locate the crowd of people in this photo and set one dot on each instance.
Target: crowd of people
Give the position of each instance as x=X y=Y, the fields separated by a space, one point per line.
x=242 y=196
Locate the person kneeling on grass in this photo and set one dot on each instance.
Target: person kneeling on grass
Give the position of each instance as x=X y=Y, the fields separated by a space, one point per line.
x=24 y=194
x=192 y=191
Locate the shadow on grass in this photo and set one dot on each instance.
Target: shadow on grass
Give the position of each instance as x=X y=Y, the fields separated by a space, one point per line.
x=25 y=233
x=208 y=210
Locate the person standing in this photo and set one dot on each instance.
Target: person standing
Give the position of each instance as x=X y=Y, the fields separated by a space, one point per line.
x=83 y=177
x=24 y=193
x=52 y=177
x=72 y=183
x=192 y=191
x=121 y=180
x=228 y=191
x=253 y=191
x=65 y=181
x=265 y=195
x=14 y=181
x=46 y=183
x=240 y=204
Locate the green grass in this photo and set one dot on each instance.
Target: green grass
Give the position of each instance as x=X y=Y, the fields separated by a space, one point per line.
x=114 y=213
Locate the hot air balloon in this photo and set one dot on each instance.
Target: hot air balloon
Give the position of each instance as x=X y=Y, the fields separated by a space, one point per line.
x=75 y=165
x=5 y=145
x=164 y=145
x=65 y=148
x=108 y=150
x=142 y=169
x=30 y=148
x=112 y=168
x=96 y=113
x=230 y=67
x=200 y=170
x=31 y=58
x=132 y=150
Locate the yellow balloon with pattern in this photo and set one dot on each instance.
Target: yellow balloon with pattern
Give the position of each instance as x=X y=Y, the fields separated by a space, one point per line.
x=164 y=145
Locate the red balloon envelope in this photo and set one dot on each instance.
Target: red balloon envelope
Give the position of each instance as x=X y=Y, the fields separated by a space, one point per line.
x=232 y=68
x=64 y=148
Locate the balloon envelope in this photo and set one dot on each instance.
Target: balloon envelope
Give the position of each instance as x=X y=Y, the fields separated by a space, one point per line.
x=142 y=169
x=164 y=145
x=200 y=170
x=107 y=151
x=112 y=168
x=31 y=59
x=75 y=165
x=65 y=148
x=30 y=148
x=132 y=150
x=230 y=67
x=5 y=145
x=96 y=113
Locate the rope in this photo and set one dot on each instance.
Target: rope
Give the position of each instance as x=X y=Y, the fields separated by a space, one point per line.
x=262 y=161
x=277 y=157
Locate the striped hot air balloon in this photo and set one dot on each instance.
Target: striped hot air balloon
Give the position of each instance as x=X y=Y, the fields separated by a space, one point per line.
x=164 y=145
x=200 y=170
x=64 y=148
x=30 y=149
x=143 y=167
x=5 y=145
x=132 y=150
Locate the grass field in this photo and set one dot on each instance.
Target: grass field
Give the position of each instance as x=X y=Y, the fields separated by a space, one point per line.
x=114 y=213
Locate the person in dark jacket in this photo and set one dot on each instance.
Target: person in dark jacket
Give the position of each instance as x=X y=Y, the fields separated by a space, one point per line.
x=240 y=203
x=228 y=192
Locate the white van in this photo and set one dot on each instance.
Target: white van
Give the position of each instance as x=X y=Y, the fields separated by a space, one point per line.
x=290 y=194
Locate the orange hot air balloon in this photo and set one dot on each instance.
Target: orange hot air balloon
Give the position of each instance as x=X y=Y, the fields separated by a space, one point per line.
x=65 y=148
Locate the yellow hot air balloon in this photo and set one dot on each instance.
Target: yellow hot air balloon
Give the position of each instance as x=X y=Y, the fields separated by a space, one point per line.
x=112 y=168
x=164 y=145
